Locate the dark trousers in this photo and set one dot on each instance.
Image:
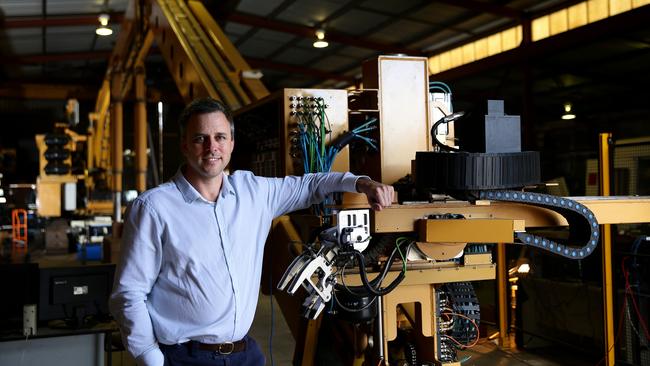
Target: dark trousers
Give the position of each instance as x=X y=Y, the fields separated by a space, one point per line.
x=190 y=355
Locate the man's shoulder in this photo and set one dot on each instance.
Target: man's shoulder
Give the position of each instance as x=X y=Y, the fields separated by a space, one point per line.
x=244 y=180
x=161 y=191
x=238 y=174
x=241 y=176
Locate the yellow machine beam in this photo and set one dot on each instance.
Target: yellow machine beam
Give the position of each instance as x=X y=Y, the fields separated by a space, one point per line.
x=252 y=85
x=201 y=59
x=608 y=210
x=469 y=231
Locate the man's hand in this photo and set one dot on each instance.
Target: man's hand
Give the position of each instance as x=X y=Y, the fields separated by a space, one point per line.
x=379 y=195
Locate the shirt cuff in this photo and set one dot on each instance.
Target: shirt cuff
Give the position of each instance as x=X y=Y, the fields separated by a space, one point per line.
x=356 y=178
x=153 y=357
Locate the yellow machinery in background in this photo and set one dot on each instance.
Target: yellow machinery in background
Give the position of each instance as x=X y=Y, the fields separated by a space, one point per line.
x=202 y=61
x=66 y=163
x=56 y=184
x=200 y=58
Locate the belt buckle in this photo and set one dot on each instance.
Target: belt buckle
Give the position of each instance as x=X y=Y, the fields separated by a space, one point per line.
x=224 y=349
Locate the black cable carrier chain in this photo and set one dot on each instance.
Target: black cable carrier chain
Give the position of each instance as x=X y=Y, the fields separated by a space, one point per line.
x=464 y=301
x=494 y=176
x=583 y=226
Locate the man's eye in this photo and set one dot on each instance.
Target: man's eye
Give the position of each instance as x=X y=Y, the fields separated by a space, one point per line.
x=199 y=139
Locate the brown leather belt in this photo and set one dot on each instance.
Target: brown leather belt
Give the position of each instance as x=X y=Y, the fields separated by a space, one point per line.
x=220 y=348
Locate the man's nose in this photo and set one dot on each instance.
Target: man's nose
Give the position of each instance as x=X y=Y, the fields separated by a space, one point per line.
x=212 y=144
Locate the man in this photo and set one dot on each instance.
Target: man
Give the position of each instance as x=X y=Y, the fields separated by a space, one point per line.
x=187 y=284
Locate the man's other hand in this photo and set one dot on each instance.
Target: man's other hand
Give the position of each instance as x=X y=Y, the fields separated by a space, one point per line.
x=379 y=195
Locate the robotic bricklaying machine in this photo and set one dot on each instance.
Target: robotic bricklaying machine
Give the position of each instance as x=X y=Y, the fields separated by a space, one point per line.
x=414 y=261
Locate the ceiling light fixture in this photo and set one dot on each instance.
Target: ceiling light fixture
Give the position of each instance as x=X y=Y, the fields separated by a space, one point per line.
x=320 y=41
x=103 y=29
x=567 y=111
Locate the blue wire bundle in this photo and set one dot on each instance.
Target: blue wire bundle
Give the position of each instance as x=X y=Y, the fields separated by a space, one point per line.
x=313 y=131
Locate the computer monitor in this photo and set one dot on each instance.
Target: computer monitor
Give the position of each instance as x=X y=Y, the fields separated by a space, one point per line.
x=76 y=296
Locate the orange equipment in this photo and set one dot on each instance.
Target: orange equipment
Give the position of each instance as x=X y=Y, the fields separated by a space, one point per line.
x=19 y=229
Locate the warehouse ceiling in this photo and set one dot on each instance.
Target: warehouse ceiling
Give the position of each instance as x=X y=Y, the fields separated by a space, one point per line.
x=602 y=68
x=48 y=41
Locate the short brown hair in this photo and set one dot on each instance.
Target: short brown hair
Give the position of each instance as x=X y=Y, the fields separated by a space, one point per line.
x=203 y=106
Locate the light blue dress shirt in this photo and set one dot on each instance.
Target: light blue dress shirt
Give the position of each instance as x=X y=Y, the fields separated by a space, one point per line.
x=190 y=268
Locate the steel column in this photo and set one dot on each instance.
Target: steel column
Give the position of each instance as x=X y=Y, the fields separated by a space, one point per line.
x=117 y=145
x=608 y=301
x=140 y=127
x=502 y=282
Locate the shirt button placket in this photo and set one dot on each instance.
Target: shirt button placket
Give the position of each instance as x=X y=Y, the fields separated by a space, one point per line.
x=226 y=247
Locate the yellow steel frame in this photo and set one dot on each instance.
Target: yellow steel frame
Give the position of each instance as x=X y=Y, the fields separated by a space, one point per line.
x=254 y=87
x=608 y=210
x=606 y=242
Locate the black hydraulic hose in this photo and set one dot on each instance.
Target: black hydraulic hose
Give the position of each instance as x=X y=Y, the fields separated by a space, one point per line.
x=377 y=280
x=446 y=119
x=366 y=284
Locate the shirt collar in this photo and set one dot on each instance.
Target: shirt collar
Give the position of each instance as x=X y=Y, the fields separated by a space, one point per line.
x=226 y=186
x=190 y=194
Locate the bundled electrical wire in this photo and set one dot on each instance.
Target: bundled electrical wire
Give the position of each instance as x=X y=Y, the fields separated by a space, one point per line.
x=449 y=315
x=630 y=298
x=440 y=87
x=631 y=288
x=315 y=137
x=313 y=131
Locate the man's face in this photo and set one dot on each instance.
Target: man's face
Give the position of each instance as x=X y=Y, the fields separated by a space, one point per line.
x=207 y=144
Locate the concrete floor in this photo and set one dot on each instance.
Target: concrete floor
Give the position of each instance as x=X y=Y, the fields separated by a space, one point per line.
x=271 y=333
x=280 y=344
x=487 y=353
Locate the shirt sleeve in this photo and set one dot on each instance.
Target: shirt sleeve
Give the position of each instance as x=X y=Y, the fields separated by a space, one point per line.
x=136 y=273
x=294 y=193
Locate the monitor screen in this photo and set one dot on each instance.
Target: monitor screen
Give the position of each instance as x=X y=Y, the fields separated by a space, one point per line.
x=75 y=296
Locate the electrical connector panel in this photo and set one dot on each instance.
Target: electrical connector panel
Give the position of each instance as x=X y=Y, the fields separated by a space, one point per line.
x=267 y=129
x=353 y=227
